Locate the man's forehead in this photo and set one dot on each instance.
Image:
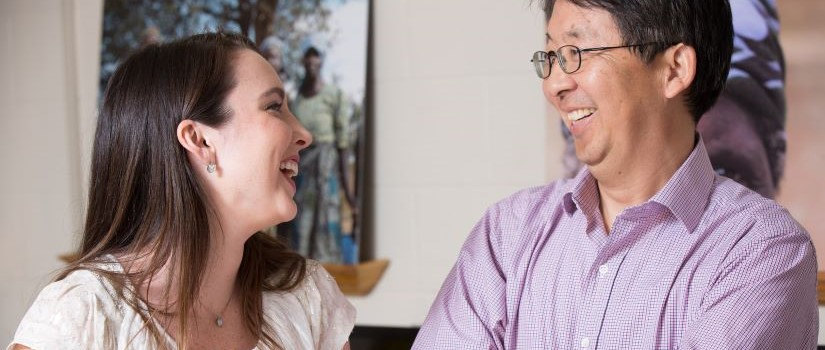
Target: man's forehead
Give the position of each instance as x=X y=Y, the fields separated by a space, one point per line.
x=578 y=25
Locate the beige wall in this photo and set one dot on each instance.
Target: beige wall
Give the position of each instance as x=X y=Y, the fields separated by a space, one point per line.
x=45 y=97
x=802 y=191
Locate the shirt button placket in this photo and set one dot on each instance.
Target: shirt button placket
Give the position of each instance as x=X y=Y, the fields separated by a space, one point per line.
x=601 y=294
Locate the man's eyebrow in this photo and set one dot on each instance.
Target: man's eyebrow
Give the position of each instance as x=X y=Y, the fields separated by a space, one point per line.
x=571 y=33
x=276 y=90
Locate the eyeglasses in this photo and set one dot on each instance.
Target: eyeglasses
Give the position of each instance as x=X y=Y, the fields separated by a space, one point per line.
x=569 y=57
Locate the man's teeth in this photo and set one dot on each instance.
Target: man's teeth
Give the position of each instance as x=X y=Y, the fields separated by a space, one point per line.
x=580 y=113
x=291 y=168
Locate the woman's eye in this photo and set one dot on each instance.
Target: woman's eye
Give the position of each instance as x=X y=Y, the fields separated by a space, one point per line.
x=274 y=107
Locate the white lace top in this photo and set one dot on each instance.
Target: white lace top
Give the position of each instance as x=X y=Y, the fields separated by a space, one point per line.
x=81 y=312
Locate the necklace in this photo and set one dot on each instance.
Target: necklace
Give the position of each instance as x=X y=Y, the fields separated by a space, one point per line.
x=218 y=316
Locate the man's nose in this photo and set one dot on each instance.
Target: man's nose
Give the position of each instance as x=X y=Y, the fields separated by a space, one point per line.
x=558 y=83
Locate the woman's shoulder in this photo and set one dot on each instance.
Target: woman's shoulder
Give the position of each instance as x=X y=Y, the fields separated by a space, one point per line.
x=317 y=287
x=318 y=283
x=79 y=290
x=315 y=308
x=316 y=273
x=88 y=282
x=70 y=313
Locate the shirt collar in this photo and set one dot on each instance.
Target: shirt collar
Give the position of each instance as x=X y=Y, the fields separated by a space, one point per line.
x=685 y=195
x=687 y=192
x=582 y=193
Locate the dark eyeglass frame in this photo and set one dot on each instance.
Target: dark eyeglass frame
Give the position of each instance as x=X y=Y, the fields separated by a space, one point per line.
x=553 y=55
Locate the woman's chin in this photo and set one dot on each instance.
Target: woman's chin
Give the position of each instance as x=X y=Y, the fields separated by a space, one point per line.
x=290 y=217
x=286 y=213
x=280 y=217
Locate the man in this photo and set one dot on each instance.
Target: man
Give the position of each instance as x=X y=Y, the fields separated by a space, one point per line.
x=744 y=132
x=324 y=224
x=646 y=247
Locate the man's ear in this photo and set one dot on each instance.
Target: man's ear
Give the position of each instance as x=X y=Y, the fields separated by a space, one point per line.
x=192 y=136
x=680 y=69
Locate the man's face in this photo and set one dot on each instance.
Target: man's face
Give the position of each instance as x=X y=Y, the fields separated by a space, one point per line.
x=312 y=66
x=609 y=103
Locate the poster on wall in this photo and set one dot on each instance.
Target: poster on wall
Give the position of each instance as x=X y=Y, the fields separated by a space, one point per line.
x=319 y=49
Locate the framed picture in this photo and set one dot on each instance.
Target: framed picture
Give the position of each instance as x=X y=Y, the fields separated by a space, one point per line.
x=319 y=49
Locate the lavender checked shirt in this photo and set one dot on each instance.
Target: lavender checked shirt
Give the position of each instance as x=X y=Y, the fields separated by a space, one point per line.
x=704 y=264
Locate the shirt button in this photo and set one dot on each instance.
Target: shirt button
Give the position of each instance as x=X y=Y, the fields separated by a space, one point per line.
x=585 y=342
x=602 y=270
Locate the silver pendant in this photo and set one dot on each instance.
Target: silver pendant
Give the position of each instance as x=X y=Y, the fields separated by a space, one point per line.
x=219 y=321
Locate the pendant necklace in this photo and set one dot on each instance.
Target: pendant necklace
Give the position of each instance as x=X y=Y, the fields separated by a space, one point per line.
x=218 y=316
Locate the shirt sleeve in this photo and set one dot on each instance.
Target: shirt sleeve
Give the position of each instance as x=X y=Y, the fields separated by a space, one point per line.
x=336 y=315
x=64 y=316
x=469 y=311
x=764 y=294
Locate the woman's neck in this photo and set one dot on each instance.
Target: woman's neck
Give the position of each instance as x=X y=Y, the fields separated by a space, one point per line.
x=218 y=279
x=221 y=272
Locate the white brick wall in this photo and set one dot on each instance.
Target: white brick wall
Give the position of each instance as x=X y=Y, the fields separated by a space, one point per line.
x=48 y=88
x=459 y=122
x=39 y=176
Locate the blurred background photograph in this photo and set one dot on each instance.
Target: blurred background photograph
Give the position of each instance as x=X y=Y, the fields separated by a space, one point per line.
x=319 y=49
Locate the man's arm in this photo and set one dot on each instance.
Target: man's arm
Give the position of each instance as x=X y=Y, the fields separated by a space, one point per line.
x=342 y=122
x=763 y=296
x=469 y=311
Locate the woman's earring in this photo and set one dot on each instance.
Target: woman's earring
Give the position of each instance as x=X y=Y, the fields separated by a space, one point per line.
x=210 y=168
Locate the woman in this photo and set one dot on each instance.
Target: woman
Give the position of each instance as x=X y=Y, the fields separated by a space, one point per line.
x=194 y=154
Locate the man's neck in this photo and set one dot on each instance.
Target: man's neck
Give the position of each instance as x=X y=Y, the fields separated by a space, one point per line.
x=311 y=87
x=635 y=181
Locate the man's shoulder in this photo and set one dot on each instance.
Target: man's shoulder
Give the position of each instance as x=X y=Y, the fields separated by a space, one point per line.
x=745 y=208
x=332 y=91
x=537 y=201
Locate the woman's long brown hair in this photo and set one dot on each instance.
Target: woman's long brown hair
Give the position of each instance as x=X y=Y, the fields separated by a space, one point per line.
x=145 y=198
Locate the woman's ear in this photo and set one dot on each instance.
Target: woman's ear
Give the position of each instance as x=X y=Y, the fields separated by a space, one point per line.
x=680 y=69
x=192 y=136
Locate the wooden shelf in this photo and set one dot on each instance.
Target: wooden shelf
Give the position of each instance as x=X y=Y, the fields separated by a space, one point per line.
x=820 y=287
x=358 y=279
